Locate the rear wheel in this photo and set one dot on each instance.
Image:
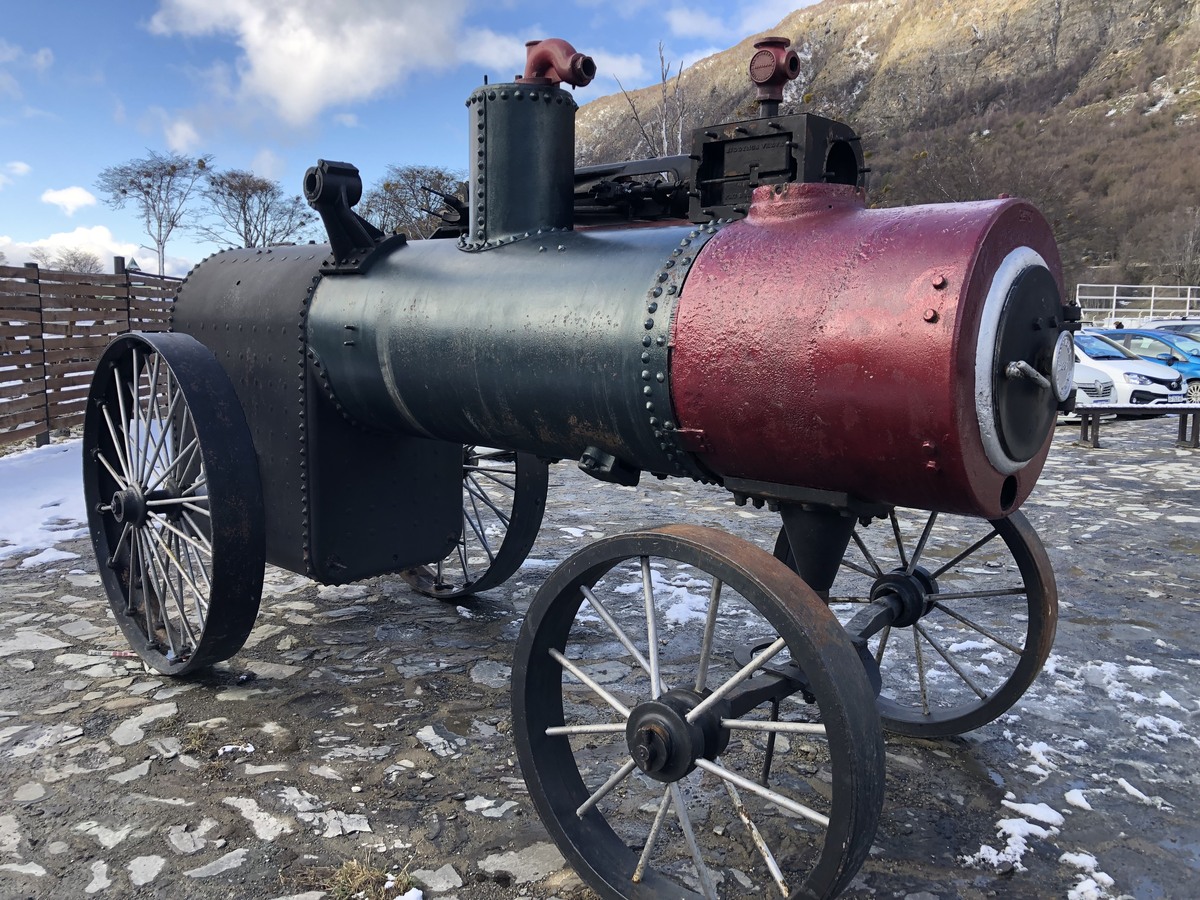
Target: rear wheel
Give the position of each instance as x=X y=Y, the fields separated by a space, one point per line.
x=174 y=501
x=504 y=496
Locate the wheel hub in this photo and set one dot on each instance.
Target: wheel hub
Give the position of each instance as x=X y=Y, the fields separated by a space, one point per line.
x=129 y=506
x=913 y=591
x=664 y=745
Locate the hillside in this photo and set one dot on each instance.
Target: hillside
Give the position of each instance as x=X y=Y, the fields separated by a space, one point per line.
x=1090 y=109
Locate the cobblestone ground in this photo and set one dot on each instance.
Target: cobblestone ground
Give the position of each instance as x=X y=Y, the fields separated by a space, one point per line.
x=368 y=722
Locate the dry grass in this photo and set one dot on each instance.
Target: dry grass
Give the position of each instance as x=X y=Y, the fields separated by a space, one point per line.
x=363 y=880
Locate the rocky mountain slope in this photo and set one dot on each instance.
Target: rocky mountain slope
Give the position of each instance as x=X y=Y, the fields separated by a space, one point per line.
x=1089 y=108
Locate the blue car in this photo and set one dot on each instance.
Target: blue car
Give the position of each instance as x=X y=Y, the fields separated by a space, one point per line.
x=1180 y=351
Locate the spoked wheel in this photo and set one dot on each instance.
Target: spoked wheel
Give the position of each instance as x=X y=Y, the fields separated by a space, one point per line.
x=174 y=501
x=985 y=605
x=692 y=721
x=504 y=496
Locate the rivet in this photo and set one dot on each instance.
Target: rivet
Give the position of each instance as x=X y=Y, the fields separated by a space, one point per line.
x=645 y=356
x=646 y=341
x=541 y=249
x=675 y=252
x=649 y=323
x=645 y=374
x=669 y=425
x=561 y=248
x=649 y=407
x=930 y=315
x=685 y=242
x=491 y=95
x=661 y=377
x=930 y=448
x=660 y=340
x=939 y=281
x=654 y=421
x=652 y=307
x=518 y=95
x=671 y=289
x=670 y=263
x=657 y=292
x=663 y=276
x=931 y=466
x=648 y=391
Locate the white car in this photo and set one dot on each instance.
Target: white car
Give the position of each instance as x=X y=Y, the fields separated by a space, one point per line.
x=1093 y=386
x=1135 y=379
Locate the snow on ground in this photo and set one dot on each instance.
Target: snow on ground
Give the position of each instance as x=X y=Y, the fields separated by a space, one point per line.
x=41 y=502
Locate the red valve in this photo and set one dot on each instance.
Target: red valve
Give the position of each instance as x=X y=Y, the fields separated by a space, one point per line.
x=554 y=60
x=771 y=67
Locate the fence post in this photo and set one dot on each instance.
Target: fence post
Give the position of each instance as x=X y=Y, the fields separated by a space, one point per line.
x=42 y=438
x=119 y=269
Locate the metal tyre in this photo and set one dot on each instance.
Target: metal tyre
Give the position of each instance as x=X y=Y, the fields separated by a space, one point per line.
x=504 y=496
x=174 y=501
x=990 y=614
x=1192 y=390
x=644 y=803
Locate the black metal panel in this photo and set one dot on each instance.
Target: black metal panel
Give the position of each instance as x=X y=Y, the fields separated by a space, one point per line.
x=248 y=308
x=555 y=345
x=736 y=158
x=341 y=503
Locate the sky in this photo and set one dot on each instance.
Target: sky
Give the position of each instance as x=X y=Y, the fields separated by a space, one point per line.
x=273 y=85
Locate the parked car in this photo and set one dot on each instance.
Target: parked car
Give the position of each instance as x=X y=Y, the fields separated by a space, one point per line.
x=1135 y=380
x=1093 y=388
x=1179 y=351
x=1184 y=325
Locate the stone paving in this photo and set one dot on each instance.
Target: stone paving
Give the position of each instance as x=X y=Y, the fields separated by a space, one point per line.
x=369 y=722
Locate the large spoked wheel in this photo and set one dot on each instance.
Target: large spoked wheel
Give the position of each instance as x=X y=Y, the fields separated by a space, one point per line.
x=692 y=721
x=174 y=501
x=504 y=496
x=986 y=607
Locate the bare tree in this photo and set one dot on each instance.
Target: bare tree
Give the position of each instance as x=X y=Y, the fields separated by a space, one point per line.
x=663 y=133
x=71 y=259
x=160 y=186
x=1180 y=247
x=250 y=211
x=402 y=199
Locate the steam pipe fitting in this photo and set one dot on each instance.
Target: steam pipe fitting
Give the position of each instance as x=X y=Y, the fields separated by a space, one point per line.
x=554 y=60
x=771 y=67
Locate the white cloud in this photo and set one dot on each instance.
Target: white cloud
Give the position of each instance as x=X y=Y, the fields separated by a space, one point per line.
x=501 y=55
x=96 y=239
x=181 y=136
x=16 y=167
x=12 y=55
x=694 y=23
x=69 y=199
x=300 y=56
x=346 y=120
x=630 y=68
x=269 y=164
x=763 y=15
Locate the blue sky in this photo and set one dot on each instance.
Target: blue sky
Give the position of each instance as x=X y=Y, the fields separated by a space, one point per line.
x=272 y=85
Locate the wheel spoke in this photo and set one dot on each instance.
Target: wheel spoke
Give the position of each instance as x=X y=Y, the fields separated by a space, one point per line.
x=1007 y=645
x=477 y=493
x=606 y=616
x=958 y=670
x=122 y=459
x=183 y=458
x=965 y=553
x=599 y=728
x=756 y=836
x=651 y=627
x=685 y=822
x=899 y=539
x=601 y=792
x=121 y=482
x=876 y=569
x=589 y=681
x=768 y=725
x=664 y=805
x=920 y=548
x=921 y=671
x=710 y=625
x=766 y=793
x=741 y=675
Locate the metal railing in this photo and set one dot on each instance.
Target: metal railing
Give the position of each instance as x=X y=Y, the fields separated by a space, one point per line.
x=1107 y=304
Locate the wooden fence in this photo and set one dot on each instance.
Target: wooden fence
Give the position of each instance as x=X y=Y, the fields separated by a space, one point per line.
x=53 y=328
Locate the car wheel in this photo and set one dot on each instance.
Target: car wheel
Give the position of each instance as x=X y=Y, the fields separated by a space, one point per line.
x=1193 y=391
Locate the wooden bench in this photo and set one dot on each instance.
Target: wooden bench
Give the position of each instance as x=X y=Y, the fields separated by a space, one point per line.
x=1189 y=421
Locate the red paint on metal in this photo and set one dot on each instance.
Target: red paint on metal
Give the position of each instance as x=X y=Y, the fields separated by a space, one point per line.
x=554 y=60
x=772 y=66
x=803 y=349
